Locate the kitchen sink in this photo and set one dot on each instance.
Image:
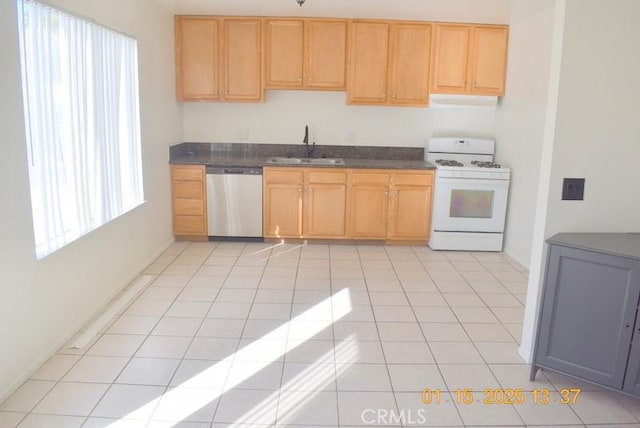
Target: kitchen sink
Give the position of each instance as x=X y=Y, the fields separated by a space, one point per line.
x=304 y=161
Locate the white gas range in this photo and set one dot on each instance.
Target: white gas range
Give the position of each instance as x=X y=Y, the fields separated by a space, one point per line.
x=470 y=195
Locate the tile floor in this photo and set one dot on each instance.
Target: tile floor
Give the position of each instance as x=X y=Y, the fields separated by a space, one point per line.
x=261 y=335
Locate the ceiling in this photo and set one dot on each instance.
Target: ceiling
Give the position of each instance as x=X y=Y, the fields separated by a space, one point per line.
x=485 y=11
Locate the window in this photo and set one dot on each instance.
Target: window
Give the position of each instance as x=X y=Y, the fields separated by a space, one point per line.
x=80 y=86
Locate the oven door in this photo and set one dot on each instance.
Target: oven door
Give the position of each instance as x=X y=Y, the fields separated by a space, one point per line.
x=470 y=205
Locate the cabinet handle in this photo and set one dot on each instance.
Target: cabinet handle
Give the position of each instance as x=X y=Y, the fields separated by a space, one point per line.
x=300 y=189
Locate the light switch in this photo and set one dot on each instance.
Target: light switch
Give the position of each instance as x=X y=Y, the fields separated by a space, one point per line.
x=573 y=189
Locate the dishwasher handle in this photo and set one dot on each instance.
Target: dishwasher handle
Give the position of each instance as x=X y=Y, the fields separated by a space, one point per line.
x=233 y=170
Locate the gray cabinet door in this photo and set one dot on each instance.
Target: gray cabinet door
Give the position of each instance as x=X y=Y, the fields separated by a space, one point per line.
x=588 y=314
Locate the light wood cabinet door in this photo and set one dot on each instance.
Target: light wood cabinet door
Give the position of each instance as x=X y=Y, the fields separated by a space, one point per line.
x=409 y=64
x=410 y=212
x=284 y=48
x=368 y=207
x=488 y=60
x=368 y=60
x=325 y=210
x=282 y=202
x=451 y=52
x=197 y=66
x=189 y=200
x=367 y=203
x=283 y=210
x=242 y=60
x=325 y=54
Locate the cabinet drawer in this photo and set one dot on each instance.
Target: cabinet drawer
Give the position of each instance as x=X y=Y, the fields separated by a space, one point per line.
x=188 y=189
x=195 y=173
x=381 y=178
x=189 y=224
x=327 y=177
x=413 y=179
x=188 y=206
x=287 y=176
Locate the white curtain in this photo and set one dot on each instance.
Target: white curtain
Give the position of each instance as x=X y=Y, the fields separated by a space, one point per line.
x=80 y=85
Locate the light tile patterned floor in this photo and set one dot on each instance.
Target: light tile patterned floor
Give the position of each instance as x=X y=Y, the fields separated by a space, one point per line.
x=262 y=335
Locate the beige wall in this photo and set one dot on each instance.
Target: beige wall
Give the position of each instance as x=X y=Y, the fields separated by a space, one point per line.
x=520 y=118
x=282 y=117
x=45 y=301
x=597 y=135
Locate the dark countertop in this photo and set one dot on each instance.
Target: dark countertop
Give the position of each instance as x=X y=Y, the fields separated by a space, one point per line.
x=617 y=244
x=255 y=155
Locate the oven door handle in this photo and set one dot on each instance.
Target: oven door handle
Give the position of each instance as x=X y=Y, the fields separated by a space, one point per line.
x=469 y=182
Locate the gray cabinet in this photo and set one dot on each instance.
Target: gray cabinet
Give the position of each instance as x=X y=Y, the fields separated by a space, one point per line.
x=632 y=379
x=588 y=325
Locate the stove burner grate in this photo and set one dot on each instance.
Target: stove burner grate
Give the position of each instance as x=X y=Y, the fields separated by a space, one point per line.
x=483 y=164
x=448 y=162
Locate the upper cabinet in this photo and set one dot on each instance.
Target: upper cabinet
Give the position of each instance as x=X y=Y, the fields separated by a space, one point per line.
x=378 y=62
x=284 y=46
x=409 y=64
x=368 y=59
x=242 y=60
x=305 y=54
x=469 y=59
x=325 y=54
x=488 y=60
x=218 y=59
x=389 y=63
x=197 y=59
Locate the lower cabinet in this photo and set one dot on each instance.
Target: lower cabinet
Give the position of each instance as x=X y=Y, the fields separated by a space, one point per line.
x=341 y=203
x=387 y=204
x=304 y=202
x=282 y=202
x=324 y=207
x=189 y=200
x=410 y=206
x=588 y=325
x=369 y=204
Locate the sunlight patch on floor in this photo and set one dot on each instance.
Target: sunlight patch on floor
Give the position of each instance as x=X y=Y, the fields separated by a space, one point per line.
x=179 y=402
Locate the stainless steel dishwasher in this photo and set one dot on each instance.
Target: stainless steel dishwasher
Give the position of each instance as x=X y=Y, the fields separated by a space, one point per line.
x=234 y=202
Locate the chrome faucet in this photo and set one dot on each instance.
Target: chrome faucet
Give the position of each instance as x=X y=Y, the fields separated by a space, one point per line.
x=308 y=151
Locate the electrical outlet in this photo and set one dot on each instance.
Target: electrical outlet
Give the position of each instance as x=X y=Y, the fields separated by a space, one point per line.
x=573 y=189
x=244 y=134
